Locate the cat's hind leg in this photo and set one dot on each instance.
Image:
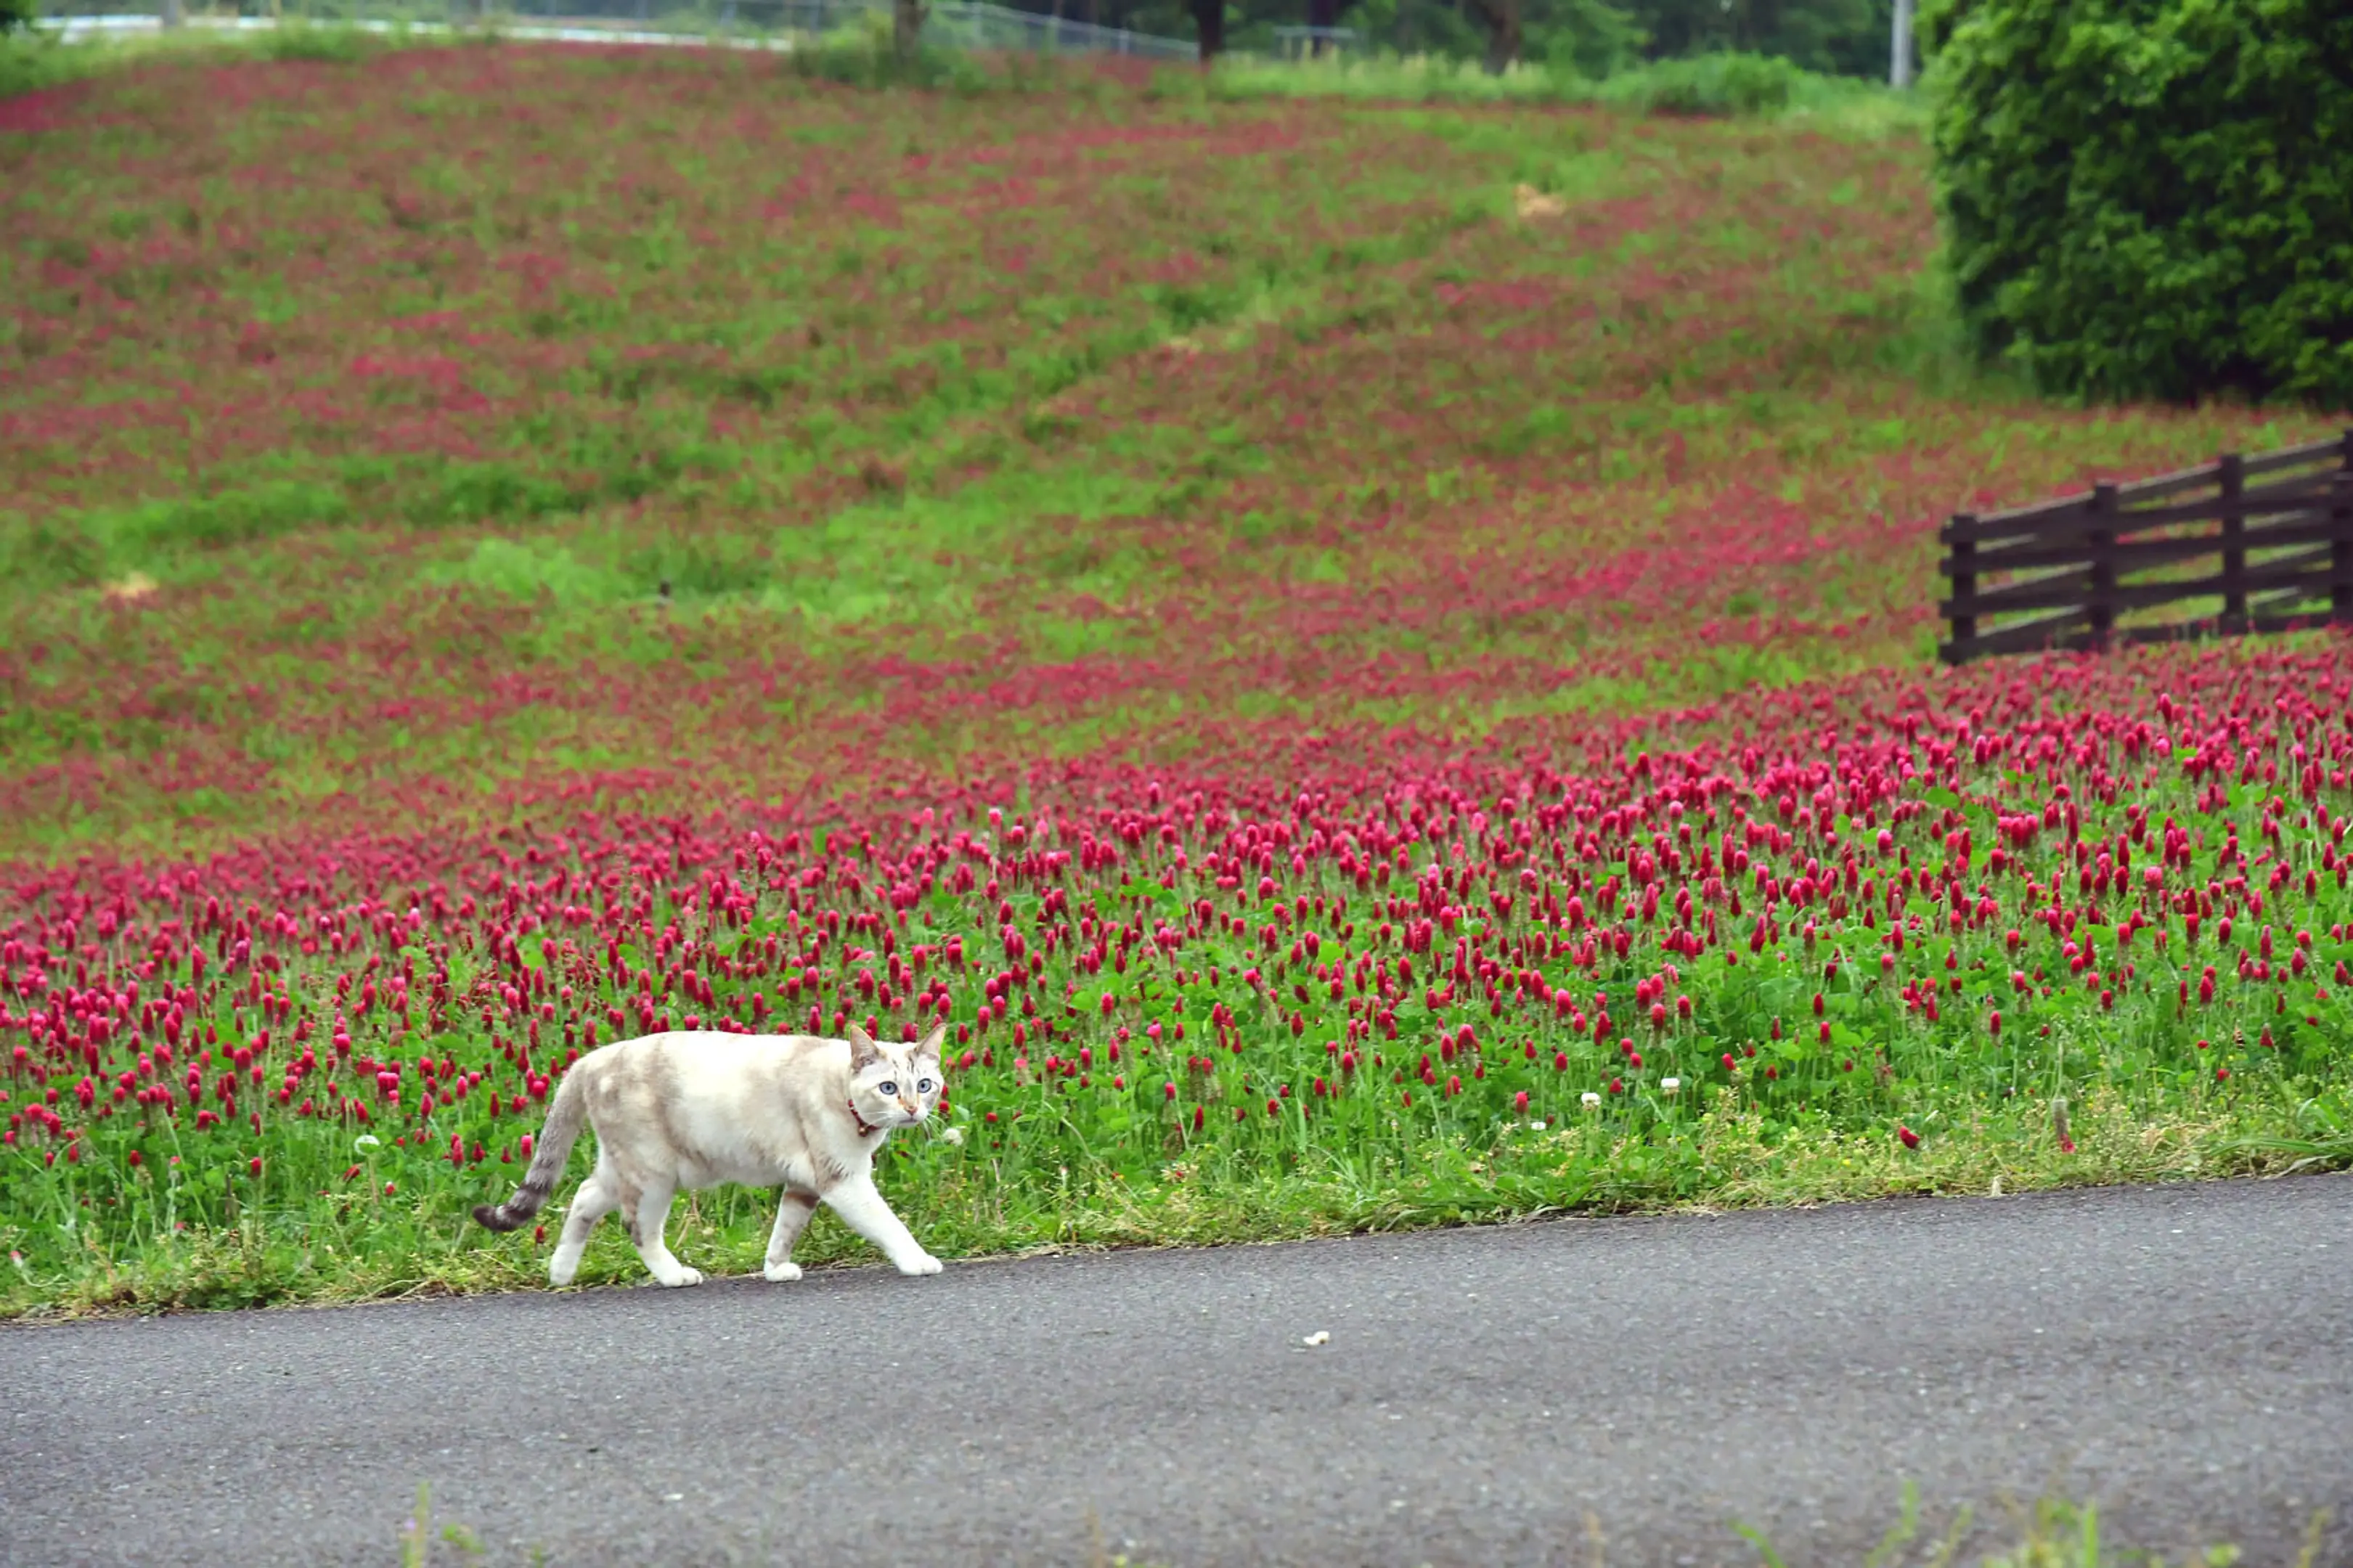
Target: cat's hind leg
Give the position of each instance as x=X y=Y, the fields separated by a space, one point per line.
x=593 y=1202
x=792 y=1217
x=860 y=1205
x=646 y=1218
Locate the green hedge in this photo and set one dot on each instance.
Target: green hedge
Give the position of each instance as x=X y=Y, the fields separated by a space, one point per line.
x=2151 y=197
x=1716 y=84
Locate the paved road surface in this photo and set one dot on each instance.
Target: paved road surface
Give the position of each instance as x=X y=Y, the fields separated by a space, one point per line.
x=2183 y=1353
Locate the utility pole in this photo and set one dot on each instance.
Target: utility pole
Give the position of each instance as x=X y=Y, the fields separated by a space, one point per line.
x=171 y=17
x=1899 y=49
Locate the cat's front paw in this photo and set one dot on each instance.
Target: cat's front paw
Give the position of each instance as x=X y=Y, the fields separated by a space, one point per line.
x=921 y=1263
x=781 y=1273
x=684 y=1275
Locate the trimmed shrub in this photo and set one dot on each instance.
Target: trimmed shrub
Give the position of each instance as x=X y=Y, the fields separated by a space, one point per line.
x=1719 y=84
x=866 y=53
x=295 y=39
x=2151 y=198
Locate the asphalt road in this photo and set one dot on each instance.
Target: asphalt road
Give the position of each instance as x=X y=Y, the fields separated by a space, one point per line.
x=2183 y=1354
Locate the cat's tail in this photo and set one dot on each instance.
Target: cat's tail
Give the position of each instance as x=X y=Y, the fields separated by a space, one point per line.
x=565 y=1114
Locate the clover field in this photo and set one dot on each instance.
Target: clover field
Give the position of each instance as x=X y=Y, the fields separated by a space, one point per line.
x=1363 y=702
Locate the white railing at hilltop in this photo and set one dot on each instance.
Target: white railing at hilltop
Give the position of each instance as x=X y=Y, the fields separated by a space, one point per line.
x=959 y=24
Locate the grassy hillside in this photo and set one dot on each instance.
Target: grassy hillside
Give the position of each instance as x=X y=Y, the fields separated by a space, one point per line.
x=506 y=546
x=410 y=385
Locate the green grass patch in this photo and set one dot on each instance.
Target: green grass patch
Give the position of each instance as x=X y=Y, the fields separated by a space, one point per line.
x=205 y=1236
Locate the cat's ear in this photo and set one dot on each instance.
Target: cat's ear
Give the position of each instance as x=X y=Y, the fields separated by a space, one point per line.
x=863 y=1052
x=929 y=1046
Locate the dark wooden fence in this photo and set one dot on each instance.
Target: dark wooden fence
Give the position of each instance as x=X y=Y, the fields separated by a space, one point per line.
x=2240 y=545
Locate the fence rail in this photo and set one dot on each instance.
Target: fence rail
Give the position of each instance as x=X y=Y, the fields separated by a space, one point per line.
x=2278 y=529
x=960 y=24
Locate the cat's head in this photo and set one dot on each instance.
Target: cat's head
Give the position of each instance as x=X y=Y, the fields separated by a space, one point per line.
x=895 y=1085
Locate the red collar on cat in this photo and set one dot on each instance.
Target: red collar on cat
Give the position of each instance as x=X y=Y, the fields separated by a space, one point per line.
x=863 y=1130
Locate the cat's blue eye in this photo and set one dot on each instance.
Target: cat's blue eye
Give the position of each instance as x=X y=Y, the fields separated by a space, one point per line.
x=924 y=1087
x=889 y=1088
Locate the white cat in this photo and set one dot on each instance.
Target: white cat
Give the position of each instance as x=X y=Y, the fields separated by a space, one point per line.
x=693 y=1111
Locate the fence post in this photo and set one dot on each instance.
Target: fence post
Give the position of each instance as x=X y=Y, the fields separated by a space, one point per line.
x=2231 y=470
x=2102 y=607
x=1961 y=567
x=2340 y=536
x=171 y=14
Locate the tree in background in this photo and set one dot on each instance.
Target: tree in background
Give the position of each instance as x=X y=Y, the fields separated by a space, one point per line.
x=16 y=14
x=1506 y=35
x=1592 y=38
x=1820 y=35
x=1417 y=27
x=1209 y=26
x=2151 y=197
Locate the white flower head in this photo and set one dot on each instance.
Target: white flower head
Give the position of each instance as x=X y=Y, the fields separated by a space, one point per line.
x=1592 y=1101
x=367 y=1140
x=1535 y=1126
x=1670 y=1084
x=952 y=1134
